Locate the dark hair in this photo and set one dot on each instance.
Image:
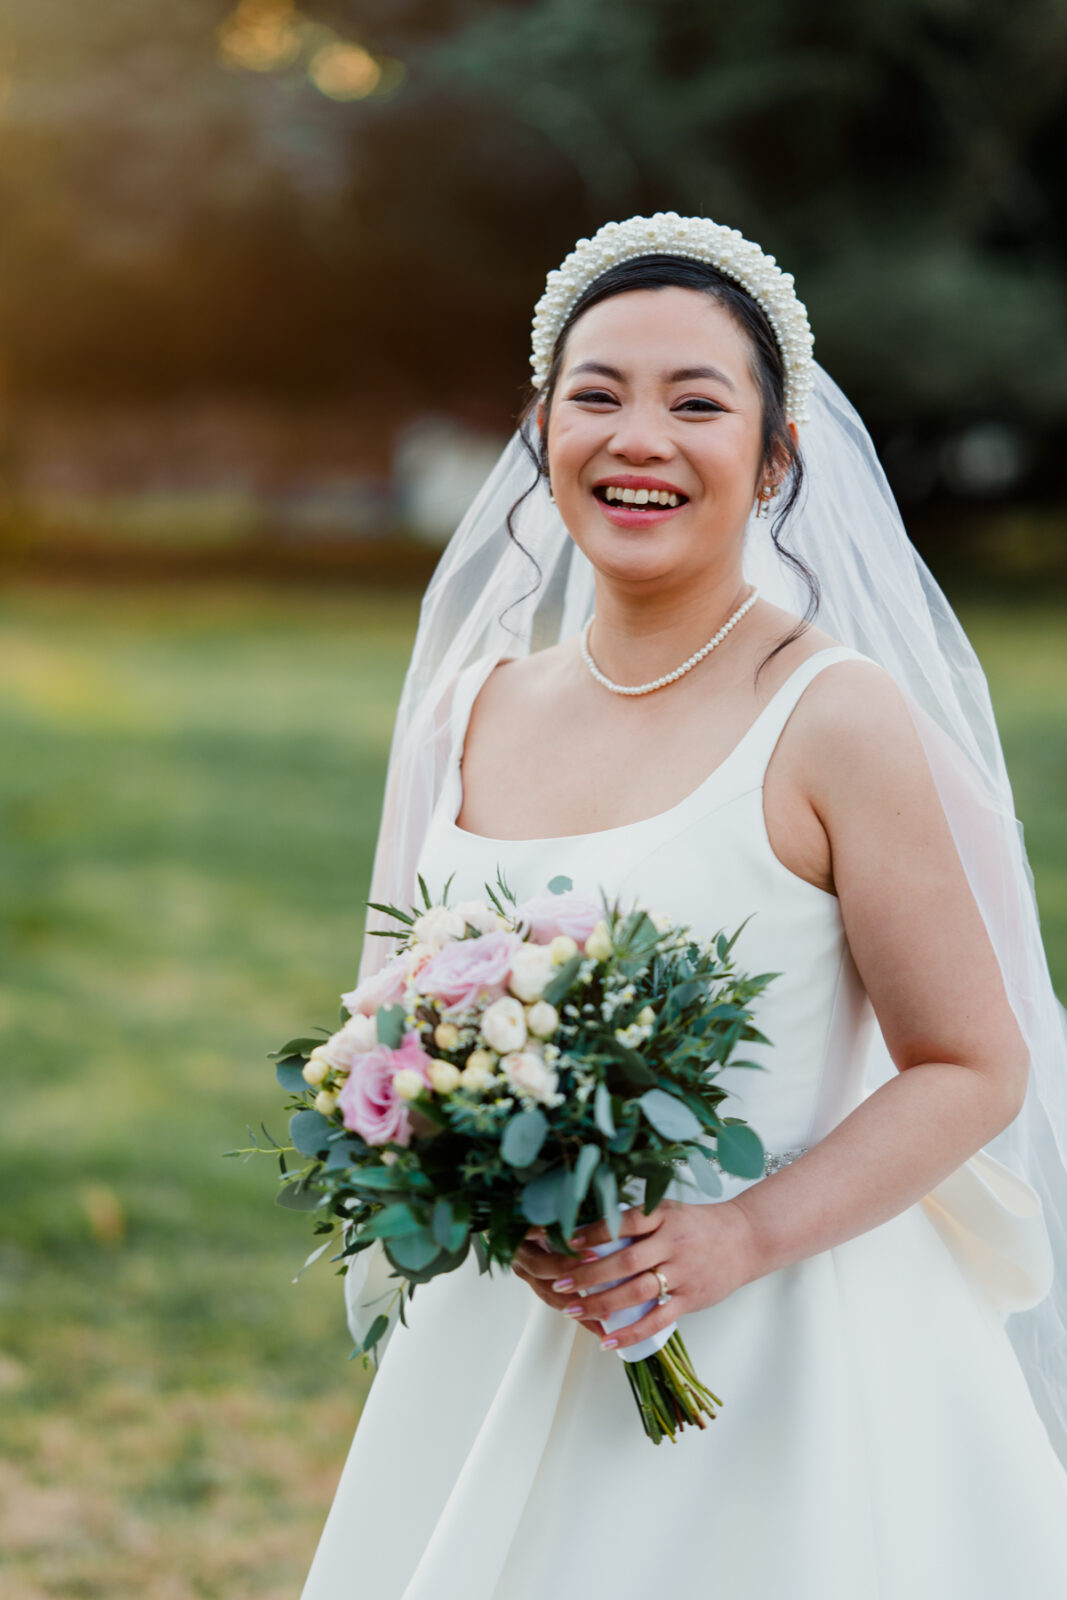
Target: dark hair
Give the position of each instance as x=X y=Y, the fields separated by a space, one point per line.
x=663 y=271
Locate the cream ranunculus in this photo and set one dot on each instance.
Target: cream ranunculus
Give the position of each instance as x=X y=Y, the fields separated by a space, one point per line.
x=444 y=1076
x=531 y=968
x=408 y=1083
x=529 y=1076
x=562 y=948
x=438 y=926
x=542 y=1019
x=480 y=916
x=598 y=945
x=504 y=1025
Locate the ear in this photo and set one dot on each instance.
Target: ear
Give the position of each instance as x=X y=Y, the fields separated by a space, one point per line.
x=781 y=467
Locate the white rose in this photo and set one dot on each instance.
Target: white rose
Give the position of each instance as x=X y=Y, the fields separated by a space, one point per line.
x=358 y=1035
x=562 y=948
x=598 y=945
x=444 y=1076
x=529 y=1076
x=542 y=1019
x=408 y=1083
x=531 y=968
x=438 y=926
x=480 y=916
x=504 y=1025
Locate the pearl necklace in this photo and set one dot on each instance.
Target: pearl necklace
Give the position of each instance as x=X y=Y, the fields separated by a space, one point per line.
x=669 y=677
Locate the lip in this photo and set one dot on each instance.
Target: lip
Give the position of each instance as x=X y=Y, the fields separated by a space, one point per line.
x=624 y=516
x=632 y=480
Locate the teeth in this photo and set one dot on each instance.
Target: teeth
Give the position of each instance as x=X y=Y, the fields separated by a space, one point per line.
x=642 y=497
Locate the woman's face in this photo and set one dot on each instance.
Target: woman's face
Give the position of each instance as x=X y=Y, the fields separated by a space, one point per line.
x=656 y=385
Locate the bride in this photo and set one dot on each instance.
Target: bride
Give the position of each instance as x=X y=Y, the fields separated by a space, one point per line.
x=618 y=677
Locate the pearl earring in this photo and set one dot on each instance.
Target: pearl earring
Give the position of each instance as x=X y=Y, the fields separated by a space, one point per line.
x=766 y=495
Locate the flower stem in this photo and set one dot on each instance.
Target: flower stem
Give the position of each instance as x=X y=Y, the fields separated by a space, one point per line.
x=668 y=1393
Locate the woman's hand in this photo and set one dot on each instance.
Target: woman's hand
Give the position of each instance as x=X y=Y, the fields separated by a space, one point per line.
x=705 y=1252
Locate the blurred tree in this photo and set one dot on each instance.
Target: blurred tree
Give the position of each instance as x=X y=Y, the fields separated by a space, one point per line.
x=304 y=195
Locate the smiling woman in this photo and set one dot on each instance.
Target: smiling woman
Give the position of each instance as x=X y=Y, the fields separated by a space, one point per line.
x=654 y=717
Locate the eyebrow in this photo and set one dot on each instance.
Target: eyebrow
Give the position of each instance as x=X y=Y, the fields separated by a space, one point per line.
x=682 y=375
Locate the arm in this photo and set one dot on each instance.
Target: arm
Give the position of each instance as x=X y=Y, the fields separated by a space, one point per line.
x=924 y=956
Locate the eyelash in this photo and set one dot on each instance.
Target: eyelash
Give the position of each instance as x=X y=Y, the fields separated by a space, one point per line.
x=598 y=394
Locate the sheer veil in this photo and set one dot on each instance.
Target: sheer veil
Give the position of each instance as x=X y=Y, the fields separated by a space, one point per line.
x=493 y=596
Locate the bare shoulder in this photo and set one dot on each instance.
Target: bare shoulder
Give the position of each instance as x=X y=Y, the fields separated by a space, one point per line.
x=853 y=734
x=517 y=685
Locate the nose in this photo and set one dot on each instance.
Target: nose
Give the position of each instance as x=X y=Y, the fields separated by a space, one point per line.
x=641 y=433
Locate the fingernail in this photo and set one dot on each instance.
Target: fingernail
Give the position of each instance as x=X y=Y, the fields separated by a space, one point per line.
x=574 y=1311
x=577 y=1241
x=563 y=1283
x=608 y=1344
x=590 y=1255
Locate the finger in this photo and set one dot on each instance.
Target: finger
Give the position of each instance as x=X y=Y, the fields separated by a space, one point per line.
x=636 y=1291
x=632 y=1222
x=545 y=1263
x=659 y=1317
x=593 y=1271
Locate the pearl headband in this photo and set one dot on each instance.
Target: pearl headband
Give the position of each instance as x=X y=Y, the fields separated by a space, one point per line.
x=696 y=239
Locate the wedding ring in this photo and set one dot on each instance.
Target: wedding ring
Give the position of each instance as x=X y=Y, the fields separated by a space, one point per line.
x=664 y=1292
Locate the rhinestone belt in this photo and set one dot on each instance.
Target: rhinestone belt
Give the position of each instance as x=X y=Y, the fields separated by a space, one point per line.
x=782 y=1158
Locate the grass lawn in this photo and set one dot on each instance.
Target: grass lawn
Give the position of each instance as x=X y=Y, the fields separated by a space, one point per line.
x=189 y=796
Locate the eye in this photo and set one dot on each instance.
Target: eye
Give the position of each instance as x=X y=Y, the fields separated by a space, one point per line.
x=712 y=405
x=592 y=394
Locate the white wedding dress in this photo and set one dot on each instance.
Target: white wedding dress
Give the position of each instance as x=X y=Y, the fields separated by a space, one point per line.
x=877 y=1439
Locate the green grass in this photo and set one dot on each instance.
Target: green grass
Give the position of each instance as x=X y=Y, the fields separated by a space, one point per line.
x=189 y=793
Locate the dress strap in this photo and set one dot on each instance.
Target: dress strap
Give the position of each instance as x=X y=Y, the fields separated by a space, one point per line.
x=760 y=741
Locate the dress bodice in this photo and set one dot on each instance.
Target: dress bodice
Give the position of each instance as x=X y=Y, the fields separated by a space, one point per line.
x=708 y=862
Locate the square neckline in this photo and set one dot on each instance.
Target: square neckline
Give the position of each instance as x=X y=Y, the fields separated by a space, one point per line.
x=459 y=741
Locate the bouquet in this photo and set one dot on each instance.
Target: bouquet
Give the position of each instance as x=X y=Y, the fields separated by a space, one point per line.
x=517 y=1066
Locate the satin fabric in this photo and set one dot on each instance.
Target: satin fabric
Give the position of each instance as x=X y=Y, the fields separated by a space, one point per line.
x=877 y=1435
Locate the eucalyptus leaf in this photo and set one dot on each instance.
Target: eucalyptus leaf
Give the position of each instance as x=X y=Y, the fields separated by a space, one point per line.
x=704 y=1173
x=390 y=1023
x=656 y=1186
x=296 y=1196
x=374 y=1333
x=392 y=1222
x=568 y=1204
x=290 y=1074
x=557 y=987
x=413 y=1251
x=669 y=1116
x=586 y=1165
x=602 y=1110
x=540 y=1198
x=608 y=1191
x=560 y=884
x=295 y=1047
x=310 y=1131
x=523 y=1138
x=739 y=1150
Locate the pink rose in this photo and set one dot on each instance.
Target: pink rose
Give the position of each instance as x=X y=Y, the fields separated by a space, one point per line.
x=572 y=913
x=470 y=969
x=369 y=1104
x=383 y=988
